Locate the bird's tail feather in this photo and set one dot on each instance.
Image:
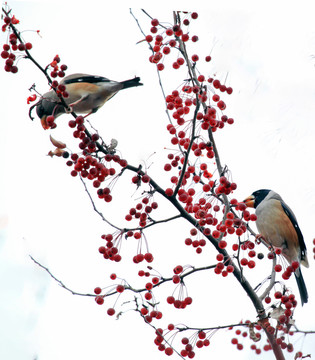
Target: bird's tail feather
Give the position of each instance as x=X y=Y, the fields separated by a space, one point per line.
x=131 y=83
x=301 y=286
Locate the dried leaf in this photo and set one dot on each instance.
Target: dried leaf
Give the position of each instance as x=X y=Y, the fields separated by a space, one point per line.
x=57 y=152
x=57 y=143
x=252 y=333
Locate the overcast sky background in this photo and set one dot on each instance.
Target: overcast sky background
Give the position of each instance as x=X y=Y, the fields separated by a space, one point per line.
x=268 y=53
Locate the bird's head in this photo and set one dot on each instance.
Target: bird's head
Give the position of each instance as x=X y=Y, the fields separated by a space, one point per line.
x=256 y=198
x=45 y=108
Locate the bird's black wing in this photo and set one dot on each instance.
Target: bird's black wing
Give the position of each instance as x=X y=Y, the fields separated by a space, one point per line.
x=297 y=229
x=92 y=79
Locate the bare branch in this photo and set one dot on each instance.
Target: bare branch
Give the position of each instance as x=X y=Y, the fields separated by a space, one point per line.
x=59 y=281
x=95 y=208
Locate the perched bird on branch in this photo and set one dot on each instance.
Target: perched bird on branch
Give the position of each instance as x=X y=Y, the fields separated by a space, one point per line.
x=277 y=223
x=86 y=94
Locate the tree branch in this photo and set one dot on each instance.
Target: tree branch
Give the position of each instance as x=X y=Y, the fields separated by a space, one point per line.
x=59 y=281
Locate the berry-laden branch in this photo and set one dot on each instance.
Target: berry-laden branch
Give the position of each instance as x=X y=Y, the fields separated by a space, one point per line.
x=200 y=190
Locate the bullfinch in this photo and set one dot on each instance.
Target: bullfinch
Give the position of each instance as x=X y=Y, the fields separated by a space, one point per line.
x=277 y=223
x=86 y=94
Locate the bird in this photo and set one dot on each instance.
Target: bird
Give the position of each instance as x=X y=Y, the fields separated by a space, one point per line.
x=277 y=223
x=86 y=94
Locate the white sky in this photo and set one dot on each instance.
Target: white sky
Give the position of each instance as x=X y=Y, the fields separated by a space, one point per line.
x=267 y=52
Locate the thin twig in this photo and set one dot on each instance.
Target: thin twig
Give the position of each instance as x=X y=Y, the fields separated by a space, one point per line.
x=95 y=208
x=59 y=281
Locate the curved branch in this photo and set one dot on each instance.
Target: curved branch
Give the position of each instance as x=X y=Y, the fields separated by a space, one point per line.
x=59 y=281
x=95 y=208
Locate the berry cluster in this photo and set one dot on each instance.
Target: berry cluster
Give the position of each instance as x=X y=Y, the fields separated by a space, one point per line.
x=14 y=45
x=149 y=315
x=99 y=298
x=183 y=299
x=89 y=166
x=180 y=103
x=199 y=341
x=148 y=257
x=289 y=269
x=289 y=303
x=167 y=39
x=254 y=332
x=179 y=303
x=154 y=313
x=60 y=89
x=113 y=246
x=160 y=343
x=225 y=187
x=281 y=330
x=197 y=244
x=111 y=250
x=203 y=175
x=222 y=267
x=255 y=336
x=143 y=209
x=57 y=71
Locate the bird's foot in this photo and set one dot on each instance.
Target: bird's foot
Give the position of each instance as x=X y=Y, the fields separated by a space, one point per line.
x=69 y=109
x=259 y=238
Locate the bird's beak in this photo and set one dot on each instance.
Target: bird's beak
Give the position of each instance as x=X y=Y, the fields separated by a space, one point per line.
x=44 y=122
x=250 y=201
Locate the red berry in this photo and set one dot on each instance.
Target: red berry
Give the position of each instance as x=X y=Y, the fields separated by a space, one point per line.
x=229 y=90
x=169 y=351
x=21 y=47
x=185 y=37
x=149 y=38
x=222 y=244
x=278 y=268
x=145 y=178
x=14 y=69
x=154 y=22
x=216 y=234
x=148 y=257
x=110 y=311
x=99 y=300
x=97 y=290
x=178 y=269
x=195 y=58
x=120 y=288
x=4 y=54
